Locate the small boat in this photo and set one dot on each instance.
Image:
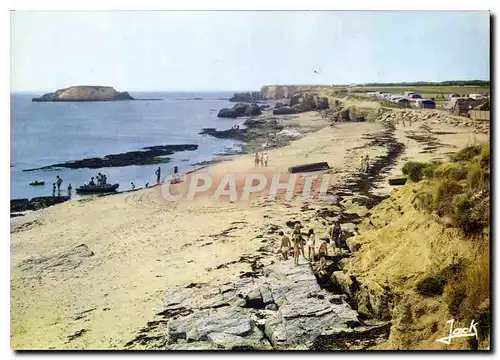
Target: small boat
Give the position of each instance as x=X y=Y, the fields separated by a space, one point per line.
x=397 y=181
x=308 y=167
x=37 y=182
x=97 y=189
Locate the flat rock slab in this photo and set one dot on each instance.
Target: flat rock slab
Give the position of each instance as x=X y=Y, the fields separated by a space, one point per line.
x=283 y=307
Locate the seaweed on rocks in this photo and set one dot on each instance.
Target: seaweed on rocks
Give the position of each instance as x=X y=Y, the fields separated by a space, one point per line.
x=426 y=138
x=362 y=183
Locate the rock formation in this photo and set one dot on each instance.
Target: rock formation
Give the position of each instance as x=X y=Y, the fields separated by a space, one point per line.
x=85 y=93
x=276 y=92
x=145 y=156
x=307 y=102
x=302 y=102
x=240 y=109
x=246 y=96
x=36 y=203
x=282 y=308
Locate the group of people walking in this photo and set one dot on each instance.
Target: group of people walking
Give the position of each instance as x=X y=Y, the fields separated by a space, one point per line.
x=297 y=242
x=260 y=159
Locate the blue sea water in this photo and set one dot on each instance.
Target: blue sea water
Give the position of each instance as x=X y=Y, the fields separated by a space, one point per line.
x=45 y=133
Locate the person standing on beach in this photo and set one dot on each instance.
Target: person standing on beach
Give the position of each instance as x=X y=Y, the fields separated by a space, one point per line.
x=285 y=245
x=59 y=181
x=323 y=249
x=265 y=159
x=297 y=243
x=257 y=159
x=262 y=159
x=335 y=239
x=366 y=163
x=54 y=189
x=133 y=186
x=311 y=245
x=362 y=162
x=158 y=174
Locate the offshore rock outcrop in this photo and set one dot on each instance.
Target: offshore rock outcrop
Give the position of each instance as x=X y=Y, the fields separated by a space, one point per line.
x=85 y=93
x=240 y=110
x=147 y=156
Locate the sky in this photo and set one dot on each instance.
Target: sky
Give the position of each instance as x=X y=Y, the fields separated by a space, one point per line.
x=243 y=50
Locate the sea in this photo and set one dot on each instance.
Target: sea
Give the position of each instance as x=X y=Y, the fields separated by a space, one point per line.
x=46 y=133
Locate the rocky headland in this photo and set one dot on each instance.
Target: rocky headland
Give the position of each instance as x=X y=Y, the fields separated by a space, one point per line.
x=85 y=93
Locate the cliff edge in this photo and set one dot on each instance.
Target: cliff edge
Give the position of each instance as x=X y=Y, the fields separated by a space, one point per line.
x=85 y=93
x=278 y=92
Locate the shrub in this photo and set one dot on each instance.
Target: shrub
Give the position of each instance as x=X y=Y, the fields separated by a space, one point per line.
x=431 y=286
x=424 y=201
x=452 y=171
x=413 y=169
x=476 y=176
x=484 y=156
x=470 y=216
x=443 y=196
x=454 y=298
x=467 y=294
x=467 y=153
x=428 y=171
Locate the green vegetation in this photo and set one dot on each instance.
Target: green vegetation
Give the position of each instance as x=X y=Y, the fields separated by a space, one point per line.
x=467 y=291
x=431 y=286
x=485 y=83
x=452 y=171
x=414 y=169
x=458 y=190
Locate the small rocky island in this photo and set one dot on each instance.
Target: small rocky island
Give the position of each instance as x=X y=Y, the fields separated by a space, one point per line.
x=85 y=93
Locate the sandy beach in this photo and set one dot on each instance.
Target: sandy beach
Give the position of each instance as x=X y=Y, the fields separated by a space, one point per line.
x=89 y=274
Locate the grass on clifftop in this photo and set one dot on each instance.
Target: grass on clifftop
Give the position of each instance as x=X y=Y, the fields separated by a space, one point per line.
x=459 y=191
x=428 y=244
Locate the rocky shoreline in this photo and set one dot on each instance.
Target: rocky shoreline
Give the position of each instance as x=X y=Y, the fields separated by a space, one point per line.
x=36 y=203
x=265 y=132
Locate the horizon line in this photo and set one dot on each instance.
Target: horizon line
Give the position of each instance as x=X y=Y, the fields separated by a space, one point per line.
x=368 y=83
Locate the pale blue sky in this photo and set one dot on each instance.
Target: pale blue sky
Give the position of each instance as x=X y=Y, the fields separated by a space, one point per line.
x=184 y=51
